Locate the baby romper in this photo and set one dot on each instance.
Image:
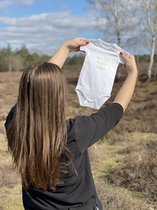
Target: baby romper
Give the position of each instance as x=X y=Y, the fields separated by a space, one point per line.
x=98 y=73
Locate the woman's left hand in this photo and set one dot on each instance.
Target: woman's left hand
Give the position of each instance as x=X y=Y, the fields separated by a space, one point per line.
x=75 y=44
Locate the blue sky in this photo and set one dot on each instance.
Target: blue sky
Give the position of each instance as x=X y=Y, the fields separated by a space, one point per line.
x=44 y=25
x=26 y=8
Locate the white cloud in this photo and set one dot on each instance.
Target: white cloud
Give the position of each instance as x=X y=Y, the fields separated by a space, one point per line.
x=45 y=31
x=5 y=4
x=26 y=2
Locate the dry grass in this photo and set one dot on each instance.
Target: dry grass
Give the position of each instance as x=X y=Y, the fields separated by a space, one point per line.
x=135 y=132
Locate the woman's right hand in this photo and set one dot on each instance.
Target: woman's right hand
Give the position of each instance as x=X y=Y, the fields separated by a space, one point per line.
x=130 y=62
x=75 y=44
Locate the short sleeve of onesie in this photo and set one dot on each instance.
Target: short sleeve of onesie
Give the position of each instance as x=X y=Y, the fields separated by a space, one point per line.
x=89 y=129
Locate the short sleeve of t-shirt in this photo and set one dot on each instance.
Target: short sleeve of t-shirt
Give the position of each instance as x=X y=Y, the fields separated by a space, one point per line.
x=10 y=116
x=89 y=129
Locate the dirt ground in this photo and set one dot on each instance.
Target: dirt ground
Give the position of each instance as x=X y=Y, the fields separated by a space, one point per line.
x=137 y=128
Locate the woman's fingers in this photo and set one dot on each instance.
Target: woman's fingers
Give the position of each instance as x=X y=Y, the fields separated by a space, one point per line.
x=75 y=44
x=125 y=57
x=82 y=42
x=130 y=62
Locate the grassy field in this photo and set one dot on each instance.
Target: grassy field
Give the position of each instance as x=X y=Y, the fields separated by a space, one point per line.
x=123 y=163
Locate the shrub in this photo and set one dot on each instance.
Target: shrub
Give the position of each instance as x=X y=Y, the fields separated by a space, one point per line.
x=113 y=198
x=138 y=172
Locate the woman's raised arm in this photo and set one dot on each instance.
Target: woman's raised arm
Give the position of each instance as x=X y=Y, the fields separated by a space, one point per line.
x=125 y=93
x=62 y=53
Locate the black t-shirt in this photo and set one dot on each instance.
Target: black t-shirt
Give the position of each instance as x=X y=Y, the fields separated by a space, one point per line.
x=78 y=191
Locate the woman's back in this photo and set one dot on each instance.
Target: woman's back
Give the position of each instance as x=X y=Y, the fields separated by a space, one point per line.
x=78 y=190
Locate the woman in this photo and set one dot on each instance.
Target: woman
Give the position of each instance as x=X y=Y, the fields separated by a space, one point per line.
x=50 y=152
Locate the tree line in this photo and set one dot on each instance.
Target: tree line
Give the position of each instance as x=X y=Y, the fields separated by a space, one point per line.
x=16 y=60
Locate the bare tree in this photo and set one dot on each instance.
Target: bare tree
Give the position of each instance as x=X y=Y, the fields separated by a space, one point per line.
x=150 y=9
x=116 y=19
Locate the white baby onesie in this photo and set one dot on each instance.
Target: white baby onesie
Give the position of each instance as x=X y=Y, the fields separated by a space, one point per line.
x=98 y=73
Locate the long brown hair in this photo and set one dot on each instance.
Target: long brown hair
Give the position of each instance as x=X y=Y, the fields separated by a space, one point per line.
x=37 y=134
